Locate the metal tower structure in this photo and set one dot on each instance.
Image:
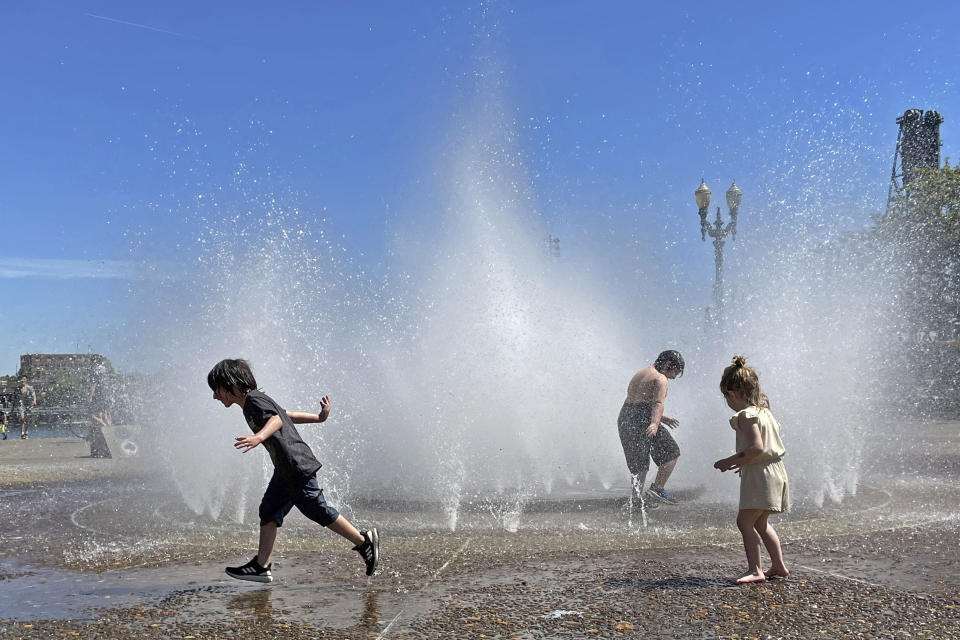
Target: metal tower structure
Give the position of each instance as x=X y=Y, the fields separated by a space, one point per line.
x=918 y=147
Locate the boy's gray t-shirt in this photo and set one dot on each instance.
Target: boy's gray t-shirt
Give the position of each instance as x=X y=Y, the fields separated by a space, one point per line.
x=292 y=457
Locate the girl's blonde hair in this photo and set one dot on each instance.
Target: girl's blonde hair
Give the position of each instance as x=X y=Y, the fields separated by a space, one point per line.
x=740 y=378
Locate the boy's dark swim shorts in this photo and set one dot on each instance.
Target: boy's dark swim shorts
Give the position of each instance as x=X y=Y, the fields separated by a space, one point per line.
x=281 y=496
x=637 y=447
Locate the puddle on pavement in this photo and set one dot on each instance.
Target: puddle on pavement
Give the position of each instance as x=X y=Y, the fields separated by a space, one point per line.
x=191 y=592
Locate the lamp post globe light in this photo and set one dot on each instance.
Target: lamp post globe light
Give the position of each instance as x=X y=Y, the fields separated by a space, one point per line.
x=718 y=231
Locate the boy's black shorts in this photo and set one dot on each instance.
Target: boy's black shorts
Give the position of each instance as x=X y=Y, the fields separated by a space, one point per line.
x=281 y=496
x=637 y=447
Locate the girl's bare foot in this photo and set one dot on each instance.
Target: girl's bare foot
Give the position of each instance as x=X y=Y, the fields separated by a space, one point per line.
x=751 y=577
x=781 y=572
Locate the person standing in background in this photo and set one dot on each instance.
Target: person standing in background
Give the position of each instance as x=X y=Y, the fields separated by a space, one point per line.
x=24 y=400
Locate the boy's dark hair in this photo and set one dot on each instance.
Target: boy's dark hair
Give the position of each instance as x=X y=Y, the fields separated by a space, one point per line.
x=234 y=376
x=672 y=358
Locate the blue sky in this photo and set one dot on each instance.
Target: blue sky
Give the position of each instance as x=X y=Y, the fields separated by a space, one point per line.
x=120 y=115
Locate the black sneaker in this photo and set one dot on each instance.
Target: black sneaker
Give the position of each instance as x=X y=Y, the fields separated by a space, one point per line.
x=369 y=550
x=251 y=571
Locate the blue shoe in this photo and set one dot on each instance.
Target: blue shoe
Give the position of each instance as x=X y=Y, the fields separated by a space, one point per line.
x=660 y=494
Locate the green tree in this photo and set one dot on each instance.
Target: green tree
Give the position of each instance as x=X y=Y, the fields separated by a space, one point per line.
x=920 y=233
x=67 y=389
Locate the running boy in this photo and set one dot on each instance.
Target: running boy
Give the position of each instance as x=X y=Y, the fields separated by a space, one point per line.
x=294 y=481
x=763 y=478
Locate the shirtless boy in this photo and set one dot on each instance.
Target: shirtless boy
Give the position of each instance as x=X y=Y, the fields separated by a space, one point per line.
x=640 y=429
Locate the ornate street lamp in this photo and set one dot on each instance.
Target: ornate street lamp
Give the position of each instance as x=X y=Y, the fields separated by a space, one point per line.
x=718 y=231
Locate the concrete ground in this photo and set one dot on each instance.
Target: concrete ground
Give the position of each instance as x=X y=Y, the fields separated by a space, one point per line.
x=100 y=548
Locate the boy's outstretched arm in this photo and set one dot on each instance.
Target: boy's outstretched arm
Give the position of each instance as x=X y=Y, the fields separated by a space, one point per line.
x=245 y=443
x=302 y=417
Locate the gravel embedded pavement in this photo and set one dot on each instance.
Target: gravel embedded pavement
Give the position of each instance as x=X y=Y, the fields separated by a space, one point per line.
x=893 y=571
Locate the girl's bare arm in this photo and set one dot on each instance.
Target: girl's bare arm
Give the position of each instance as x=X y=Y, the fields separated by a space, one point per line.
x=750 y=428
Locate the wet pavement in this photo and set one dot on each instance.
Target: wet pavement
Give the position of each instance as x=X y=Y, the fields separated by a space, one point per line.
x=100 y=548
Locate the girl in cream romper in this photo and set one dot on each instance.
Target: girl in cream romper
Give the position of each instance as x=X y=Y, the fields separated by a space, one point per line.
x=763 y=479
x=763 y=482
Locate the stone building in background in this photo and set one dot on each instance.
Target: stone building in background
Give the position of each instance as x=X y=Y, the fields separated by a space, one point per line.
x=46 y=368
x=59 y=379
